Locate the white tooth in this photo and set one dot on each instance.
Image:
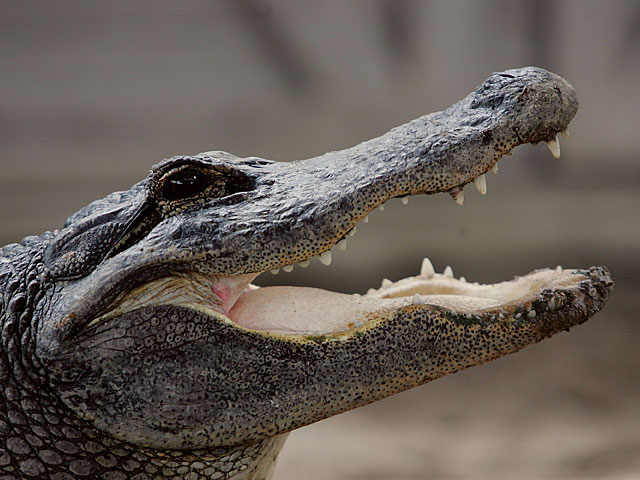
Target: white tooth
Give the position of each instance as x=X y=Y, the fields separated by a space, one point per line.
x=554 y=146
x=304 y=263
x=508 y=154
x=325 y=257
x=462 y=279
x=381 y=207
x=386 y=283
x=565 y=133
x=494 y=169
x=552 y=304
x=448 y=272
x=559 y=268
x=342 y=245
x=352 y=232
x=426 y=269
x=366 y=219
x=404 y=200
x=532 y=314
x=288 y=268
x=417 y=300
x=275 y=272
x=481 y=184
x=459 y=197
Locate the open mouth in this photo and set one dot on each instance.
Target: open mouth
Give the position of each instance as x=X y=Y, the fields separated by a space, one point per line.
x=305 y=311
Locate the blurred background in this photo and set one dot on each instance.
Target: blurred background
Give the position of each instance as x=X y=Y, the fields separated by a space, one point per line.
x=94 y=93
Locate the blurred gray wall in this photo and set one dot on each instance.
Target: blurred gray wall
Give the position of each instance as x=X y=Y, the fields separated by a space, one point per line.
x=94 y=93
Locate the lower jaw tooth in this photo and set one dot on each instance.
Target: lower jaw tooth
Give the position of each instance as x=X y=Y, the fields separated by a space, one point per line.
x=448 y=272
x=426 y=269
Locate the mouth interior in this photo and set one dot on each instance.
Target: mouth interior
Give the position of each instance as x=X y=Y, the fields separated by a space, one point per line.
x=303 y=311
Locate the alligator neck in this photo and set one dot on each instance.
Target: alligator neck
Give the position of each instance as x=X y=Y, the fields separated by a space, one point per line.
x=41 y=436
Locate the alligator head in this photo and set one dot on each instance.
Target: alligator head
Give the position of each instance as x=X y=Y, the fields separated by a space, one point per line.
x=156 y=337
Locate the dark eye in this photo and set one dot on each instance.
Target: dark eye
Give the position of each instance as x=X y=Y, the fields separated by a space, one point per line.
x=184 y=183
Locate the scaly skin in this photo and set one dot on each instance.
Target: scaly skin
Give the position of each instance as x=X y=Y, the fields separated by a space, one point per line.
x=100 y=380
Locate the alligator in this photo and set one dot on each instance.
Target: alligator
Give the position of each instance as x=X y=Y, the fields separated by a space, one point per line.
x=135 y=345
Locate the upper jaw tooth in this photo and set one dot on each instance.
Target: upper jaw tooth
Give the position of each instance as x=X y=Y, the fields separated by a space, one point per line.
x=481 y=184
x=459 y=197
x=325 y=257
x=554 y=147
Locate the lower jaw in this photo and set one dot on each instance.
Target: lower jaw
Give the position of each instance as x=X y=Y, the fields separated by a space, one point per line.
x=310 y=311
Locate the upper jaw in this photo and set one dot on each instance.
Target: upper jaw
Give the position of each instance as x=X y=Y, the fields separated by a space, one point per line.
x=302 y=209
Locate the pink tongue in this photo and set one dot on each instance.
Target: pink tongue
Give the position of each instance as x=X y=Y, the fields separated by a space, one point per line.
x=301 y=310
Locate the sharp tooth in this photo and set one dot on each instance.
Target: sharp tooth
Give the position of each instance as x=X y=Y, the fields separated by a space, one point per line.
x=481 y=184
x=532 y=314
x=508 y=154
x=366 y=219
x=342 y=245
x=381 y=207
x=552 y=304
x=463 y=280
x=304 y=263
x=448 y=272
x=554 y=146
x=426 y=269
x=288 y=268
x=565 y=133
x=494 y=169
x=352 y=232
x=559 y=268
x=459 y=197
x=325 y=257
x=386 y=283
x=416 y=300
x=404 y=200
x=275 y=271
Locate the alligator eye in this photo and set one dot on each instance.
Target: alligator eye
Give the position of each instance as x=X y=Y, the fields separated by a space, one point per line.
x=184 y=183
